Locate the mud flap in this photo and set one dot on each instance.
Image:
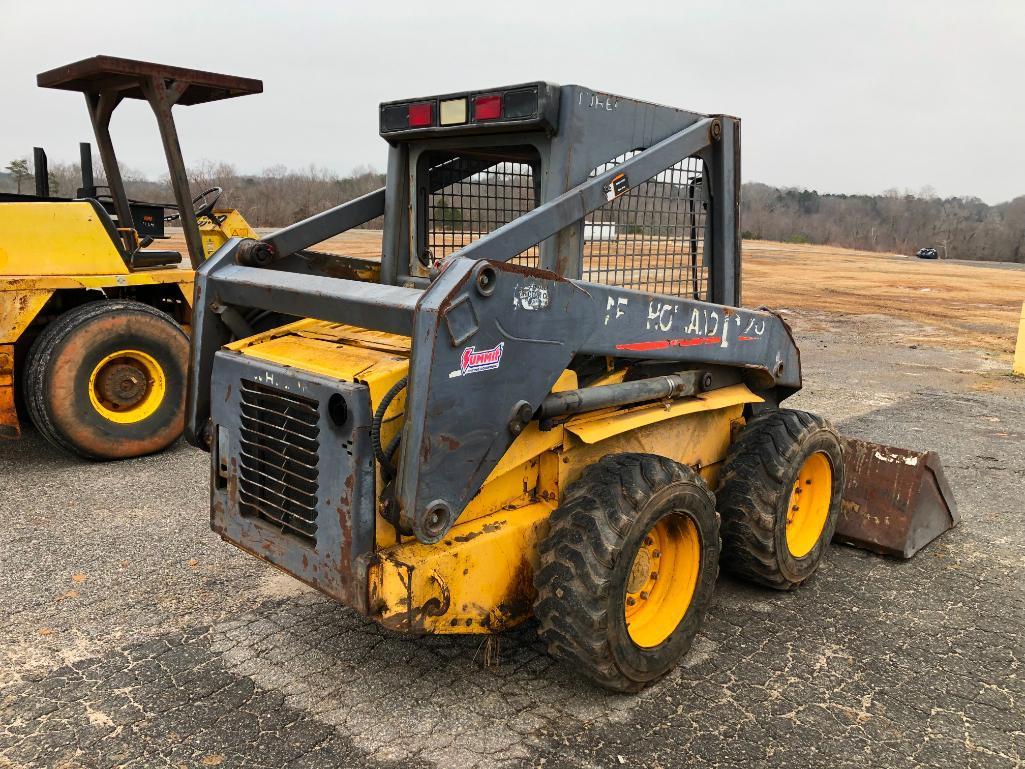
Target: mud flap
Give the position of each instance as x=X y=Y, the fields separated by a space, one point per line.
x=895 y=501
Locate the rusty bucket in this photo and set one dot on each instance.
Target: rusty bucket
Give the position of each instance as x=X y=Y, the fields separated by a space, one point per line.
x=895 y=501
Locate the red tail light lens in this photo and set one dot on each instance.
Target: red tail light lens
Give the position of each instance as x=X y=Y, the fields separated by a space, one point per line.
x=421 y=115
x=488 y=107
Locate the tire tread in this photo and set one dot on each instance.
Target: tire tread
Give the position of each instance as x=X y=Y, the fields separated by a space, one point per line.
x=42 y=351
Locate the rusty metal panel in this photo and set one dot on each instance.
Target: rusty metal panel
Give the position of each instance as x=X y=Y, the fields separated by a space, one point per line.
x=9 y=427
x=112 y=73
x=896 y=501
x=294 y=484
x=18 y=308
x=478 y=580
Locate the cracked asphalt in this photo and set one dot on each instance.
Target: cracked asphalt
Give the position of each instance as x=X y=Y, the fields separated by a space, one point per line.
x=132 y=636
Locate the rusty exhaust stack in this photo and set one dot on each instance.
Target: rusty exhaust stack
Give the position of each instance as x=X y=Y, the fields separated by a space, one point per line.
x=895 y=501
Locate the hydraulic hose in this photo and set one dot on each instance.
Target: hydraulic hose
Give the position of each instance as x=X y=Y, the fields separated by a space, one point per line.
x=385 y=456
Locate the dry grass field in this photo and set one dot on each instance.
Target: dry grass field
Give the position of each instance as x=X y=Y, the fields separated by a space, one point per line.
x=959 y=305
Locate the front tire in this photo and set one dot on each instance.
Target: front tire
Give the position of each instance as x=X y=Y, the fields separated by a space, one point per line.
x=779 y=496
x=627 y=569
x=107 y=380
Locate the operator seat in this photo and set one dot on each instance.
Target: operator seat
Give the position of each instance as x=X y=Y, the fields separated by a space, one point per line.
x=140 y=258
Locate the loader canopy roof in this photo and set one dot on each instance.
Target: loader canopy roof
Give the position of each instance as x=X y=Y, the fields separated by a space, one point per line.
x=107 y=80
x=125 y=76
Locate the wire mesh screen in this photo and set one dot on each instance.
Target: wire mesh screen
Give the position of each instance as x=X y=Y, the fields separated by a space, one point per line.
x=474 y=196
x=651 y=238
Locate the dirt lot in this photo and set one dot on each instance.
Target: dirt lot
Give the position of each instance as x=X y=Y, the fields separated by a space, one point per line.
x=962 y=305
x=133 y=637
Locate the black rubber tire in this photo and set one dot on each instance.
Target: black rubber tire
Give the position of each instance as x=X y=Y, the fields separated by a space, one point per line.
x=62 y=358
x=586 y=557
x=754 y=493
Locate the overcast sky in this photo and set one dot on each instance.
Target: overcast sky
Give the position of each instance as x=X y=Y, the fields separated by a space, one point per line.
x=855 y=97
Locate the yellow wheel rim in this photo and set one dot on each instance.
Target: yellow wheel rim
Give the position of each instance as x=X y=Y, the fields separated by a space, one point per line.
x=662 y=579
x=809 y=504
x=127 y=386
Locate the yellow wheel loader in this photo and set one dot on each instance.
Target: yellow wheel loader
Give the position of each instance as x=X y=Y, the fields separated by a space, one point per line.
x=549 y=403
x=94 y=321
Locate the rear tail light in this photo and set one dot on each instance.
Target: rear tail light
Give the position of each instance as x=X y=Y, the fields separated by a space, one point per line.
x=421 y=115
x=521 y=103
x=488 y=107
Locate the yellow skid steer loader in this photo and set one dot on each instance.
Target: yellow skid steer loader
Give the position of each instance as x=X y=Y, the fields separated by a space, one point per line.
x=550 y=403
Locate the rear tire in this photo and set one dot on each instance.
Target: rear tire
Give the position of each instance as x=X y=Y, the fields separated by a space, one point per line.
x=627 y=569
x=779 y=497
x=107 y=380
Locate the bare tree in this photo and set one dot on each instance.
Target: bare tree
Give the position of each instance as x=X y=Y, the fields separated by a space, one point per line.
x=18 y=168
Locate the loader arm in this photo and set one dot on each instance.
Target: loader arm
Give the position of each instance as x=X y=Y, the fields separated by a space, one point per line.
x=462 y=415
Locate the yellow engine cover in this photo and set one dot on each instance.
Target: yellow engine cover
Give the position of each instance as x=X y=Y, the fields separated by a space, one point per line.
x=56 y=238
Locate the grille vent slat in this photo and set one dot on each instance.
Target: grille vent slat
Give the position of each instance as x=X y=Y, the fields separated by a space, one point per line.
x=284 y=433
x=254 y=431
x=294 y=477
x=280 y=444
x=281 y=488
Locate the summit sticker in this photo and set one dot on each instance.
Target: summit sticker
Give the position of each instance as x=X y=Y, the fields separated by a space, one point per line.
x=473 y=360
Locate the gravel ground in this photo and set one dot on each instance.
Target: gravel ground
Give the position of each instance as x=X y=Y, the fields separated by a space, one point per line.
x=134 y=637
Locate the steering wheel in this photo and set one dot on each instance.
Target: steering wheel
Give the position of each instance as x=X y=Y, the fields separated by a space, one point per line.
x=203 y=204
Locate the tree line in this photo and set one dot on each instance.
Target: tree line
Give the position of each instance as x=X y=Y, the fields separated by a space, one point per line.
x=902 y=222
x=273 y=198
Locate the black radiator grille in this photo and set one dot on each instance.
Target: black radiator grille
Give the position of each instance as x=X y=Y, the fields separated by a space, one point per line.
x=280 y=438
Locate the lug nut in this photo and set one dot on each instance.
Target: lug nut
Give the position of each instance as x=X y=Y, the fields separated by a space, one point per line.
x=648 y=541
x=630 y=601
x=654 y=575
x=656 y=554
x=644 y=596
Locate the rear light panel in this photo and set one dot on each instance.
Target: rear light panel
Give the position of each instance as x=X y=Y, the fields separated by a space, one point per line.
x=532 y=106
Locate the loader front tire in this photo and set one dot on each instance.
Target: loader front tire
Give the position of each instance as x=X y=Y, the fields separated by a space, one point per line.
x=107 y=380
x=779 y=497
x=627 y=569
